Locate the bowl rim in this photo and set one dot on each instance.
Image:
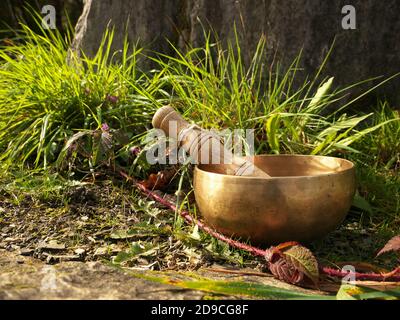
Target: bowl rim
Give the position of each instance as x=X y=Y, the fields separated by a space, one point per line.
x=226 y=176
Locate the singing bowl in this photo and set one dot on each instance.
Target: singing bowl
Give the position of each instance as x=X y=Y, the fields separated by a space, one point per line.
x=307 y=197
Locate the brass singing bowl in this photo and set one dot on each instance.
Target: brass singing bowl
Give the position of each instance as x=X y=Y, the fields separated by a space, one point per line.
x=307 y=197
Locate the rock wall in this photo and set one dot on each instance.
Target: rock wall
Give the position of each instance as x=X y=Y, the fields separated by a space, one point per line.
x=372 y=49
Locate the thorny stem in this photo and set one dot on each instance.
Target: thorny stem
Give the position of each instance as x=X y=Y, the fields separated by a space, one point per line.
x=392 y=276
x=362 y=276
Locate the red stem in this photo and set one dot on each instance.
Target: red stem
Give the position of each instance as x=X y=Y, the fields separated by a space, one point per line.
x=361 y=276
x=253 y=250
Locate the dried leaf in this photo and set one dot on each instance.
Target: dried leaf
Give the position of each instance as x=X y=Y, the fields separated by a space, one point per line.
x=121 y=137
x=106 y=141
x=123 y=234
x=159 y=180
x=392 y=245
x=141 y=230
x=101 y=145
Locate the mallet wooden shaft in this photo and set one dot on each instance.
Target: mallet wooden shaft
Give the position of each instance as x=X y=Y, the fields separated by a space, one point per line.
x=202 y=145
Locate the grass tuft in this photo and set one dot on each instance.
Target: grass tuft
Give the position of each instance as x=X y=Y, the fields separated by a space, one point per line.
x=46 y=97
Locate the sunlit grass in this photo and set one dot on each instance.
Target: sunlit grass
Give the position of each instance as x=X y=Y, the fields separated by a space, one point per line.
x=48 y=94
x=213 y=87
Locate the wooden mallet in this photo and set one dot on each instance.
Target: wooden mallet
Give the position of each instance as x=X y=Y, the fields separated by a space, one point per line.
x=202 y=145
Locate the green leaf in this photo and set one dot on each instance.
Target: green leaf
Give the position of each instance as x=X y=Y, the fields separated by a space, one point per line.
x=360 y=203
x=321 y=93
x=236 y=288
x=352 y=292
x=69 y=143
x=349 y=140
x=346 y=292
x=195 y=233
x=272 y=127
x=137 y=249
x=320 y=146
x=139 y=230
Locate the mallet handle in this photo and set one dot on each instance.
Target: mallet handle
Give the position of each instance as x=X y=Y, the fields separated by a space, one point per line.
x=202 y=145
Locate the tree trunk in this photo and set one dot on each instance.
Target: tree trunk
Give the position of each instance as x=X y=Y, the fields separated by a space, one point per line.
x=290 y=26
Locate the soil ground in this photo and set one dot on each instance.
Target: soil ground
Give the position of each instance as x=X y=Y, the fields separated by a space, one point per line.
x=58 y=246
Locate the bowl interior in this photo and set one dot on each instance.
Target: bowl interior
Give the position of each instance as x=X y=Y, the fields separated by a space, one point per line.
x=293 y=165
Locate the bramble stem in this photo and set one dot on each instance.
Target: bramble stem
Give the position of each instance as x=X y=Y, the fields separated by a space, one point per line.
x=391 y=276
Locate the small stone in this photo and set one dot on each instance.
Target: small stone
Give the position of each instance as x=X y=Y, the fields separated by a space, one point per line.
x=71 y=257
x=85 y=218
x=80 y=251
x=49 y=259
x=20 y=260
x=51 y=245
x=114 y=248
x=26 y=251
x=14 y=247
x=58 y=258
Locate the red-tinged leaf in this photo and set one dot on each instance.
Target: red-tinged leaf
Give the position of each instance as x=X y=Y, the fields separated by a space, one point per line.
x=285 y=270
x=150 y=182
x=303 y=259
x=286 y=245
x=392 y=245
x=159 y=180
x=293 y=264
x=274 y=253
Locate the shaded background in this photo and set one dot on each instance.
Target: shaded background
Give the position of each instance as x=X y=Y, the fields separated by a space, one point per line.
x=289 y=26
x=12 y=12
